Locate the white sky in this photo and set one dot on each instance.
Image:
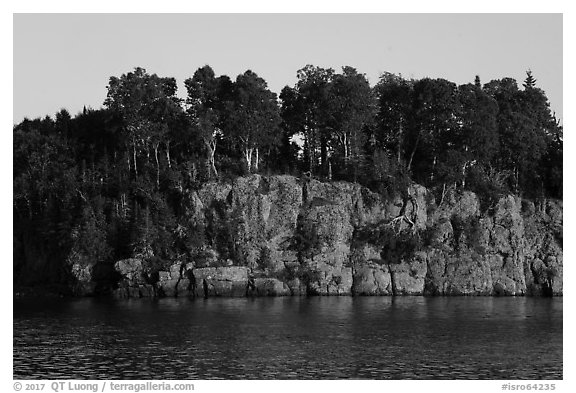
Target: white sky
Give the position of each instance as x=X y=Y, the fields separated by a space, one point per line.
x=65 y=60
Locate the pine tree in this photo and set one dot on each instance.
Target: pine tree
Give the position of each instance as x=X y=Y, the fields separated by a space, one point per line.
x=477 y=82
x=530 y=81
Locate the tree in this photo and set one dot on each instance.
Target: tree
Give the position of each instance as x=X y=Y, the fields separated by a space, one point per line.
x=307 y=109
x=477 y=82
x=477 y=137
x=351 y=107
x=90 y=242
x=147 y=104
x=63 y=123
x=292 y=126
x=394 y=95
x=552 y=163
x=522 y=132
x=434 y=120
x=207 y=97
x=254 y=118
x=530 y=81
x=144 y=233
x=546 y=134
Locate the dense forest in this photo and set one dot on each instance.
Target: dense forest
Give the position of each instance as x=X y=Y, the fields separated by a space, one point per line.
x=110 y=183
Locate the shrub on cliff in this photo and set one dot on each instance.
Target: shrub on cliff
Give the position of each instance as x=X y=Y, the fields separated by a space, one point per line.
x=489 y=184
x=387 y=176
x=90 y=237
x=306 y=240
x=395 y=244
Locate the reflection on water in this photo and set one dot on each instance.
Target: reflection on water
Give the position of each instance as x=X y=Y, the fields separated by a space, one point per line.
x=290 y=338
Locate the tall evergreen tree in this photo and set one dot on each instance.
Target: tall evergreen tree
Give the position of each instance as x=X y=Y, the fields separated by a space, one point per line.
x=530 y=81
x=521 y=133
x=476 y=140
x=434 y=121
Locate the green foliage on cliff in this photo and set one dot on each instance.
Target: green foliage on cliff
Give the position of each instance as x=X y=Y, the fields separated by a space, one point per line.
x=396 y=244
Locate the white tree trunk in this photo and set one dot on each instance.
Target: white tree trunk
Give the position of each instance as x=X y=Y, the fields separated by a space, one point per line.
x=211 y=147
x=134 y=153
x=212 y=161
x=413 y=152
x=156 y=146
x=400 y=133
x=248 y=158
x=168 y=154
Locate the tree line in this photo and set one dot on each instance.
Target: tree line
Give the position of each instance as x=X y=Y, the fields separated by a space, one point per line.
x=112 y=183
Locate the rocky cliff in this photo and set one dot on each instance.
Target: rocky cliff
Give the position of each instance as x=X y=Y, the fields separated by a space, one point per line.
x=281 y=236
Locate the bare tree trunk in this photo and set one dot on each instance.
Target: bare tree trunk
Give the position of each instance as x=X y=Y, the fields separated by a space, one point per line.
x=400 y=132
x=443 y=194
x=413 y=152
x=346 y=153
x=213 y=163
x=135 y=165
x=248 y=159
x=168 y=154
x=156 y=146
x=464 y=167
x=256 y=161
x=124 y=204
x=211 y=147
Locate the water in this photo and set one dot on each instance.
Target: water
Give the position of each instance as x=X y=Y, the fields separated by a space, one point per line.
x=289 y=338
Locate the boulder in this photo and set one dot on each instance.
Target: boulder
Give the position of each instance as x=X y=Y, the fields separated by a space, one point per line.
x=220 y=281
x=372 y=279
x=268 y=287
x=82 y=273
x=452 y=274
x=327 y=279
x=408 y=277
x=131 y=270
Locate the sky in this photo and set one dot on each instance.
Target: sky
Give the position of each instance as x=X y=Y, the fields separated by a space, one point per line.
x=66 y=60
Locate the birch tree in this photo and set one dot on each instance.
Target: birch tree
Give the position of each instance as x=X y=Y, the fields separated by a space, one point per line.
x=207 y=96
x=147 y=104
x=254 y=118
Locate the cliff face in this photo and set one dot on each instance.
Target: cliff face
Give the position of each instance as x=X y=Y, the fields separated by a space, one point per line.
x=276 y=236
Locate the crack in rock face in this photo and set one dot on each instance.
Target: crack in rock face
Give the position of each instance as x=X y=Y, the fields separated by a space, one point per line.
x=284 y=236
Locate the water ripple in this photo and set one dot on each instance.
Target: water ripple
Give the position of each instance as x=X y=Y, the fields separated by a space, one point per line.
x=289 y=338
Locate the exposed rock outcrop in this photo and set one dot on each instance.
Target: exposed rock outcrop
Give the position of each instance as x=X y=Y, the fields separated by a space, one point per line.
x=282 y=236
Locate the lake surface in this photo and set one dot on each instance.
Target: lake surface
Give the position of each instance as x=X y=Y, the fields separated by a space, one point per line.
x=289 y=338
